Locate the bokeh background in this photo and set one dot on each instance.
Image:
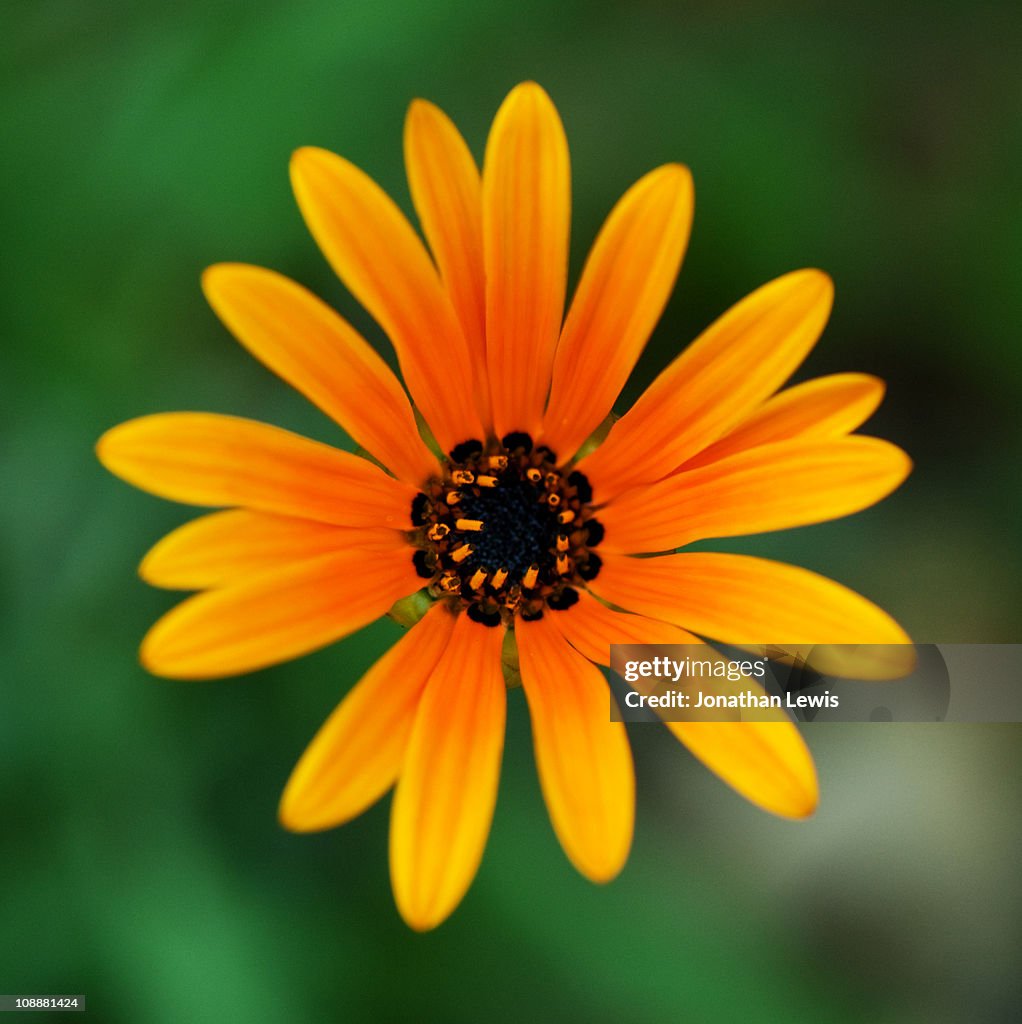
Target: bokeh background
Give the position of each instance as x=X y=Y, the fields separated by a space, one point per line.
x=140 y=858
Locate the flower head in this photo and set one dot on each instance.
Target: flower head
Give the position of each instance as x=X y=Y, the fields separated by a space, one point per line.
x=517 y=530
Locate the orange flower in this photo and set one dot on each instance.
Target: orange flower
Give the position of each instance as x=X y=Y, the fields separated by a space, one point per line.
x=522 y=536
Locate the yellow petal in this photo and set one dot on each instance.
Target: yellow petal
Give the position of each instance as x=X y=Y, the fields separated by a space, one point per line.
x=591 y=627
x=624 y=287
x=729 y=370
x=325 y=358
x=745 y=601
x=772 y=487
x=767 y=762
x=584 y=761
x=526 y=212
x=206 y=459
x=276 y=615
x=447 y=193
x=356 y=755
x=816 y=410
x=224 y=547
x=377 y=254
x=444 y=801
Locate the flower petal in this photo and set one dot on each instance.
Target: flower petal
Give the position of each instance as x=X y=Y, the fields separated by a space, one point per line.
x=591 y=627
x=730 y=369
x=526 y=212
x=767 y=762
x=624 y=287
x=325 y=358
x=772 y=487
x=357 y=754
x=224 y=547
x=378 y=256
x=444 y=801
x=447 y=192
x=584 y=761
x=207 y=459
x=276 y=615
x=748 y=602
x=815 y=410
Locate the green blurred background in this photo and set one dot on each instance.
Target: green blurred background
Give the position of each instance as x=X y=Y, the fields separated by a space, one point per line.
x=140 y=858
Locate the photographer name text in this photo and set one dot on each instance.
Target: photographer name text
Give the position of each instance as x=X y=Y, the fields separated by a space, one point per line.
x=743 y=699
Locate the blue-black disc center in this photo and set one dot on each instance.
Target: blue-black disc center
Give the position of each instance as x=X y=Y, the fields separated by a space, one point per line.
x=519 y=529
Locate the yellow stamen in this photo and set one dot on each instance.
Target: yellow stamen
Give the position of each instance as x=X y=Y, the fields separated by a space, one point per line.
x=566 y=516
x=473 y=525
x=553 y=500
x=534 y=475
x=498 y=462
x=478 y=579
x=563 y=564
x=530 y=577
x=562 y=542
x=462 y=477
x=486 y=481
x=498 y=577
x=459 y=554
x=452 y=497
x=552 y=479
x=438 y=531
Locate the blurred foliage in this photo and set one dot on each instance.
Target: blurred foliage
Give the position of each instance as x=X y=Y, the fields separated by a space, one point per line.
x=140 y=854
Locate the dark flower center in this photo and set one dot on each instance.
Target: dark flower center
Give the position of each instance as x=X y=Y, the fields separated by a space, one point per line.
x=504 y=531
x=519 y=527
